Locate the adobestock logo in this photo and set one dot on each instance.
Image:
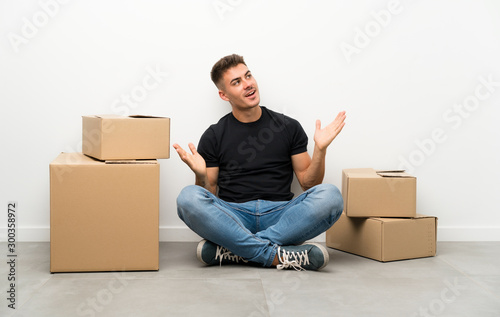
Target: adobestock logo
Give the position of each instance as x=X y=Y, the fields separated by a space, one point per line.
x=30 y=27
x=251 y=147
x=96 y=304
x=454 y=115
x=448 y=295
x=461 y=111
x=290 y=282
x=258 y=143
x=373 y=28
x=222 y=7
x=122 y=106
x=152 y=80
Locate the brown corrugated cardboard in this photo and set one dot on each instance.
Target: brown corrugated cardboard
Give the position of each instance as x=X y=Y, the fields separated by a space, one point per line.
x=103 y=217
x=384 y=239
x=371 y=193
x=114 y=137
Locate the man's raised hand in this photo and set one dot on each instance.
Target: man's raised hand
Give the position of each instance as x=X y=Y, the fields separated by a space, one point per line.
x=323 y=137
x=195 y=161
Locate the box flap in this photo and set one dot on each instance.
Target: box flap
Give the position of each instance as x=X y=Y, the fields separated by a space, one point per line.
x=74 y=158
x=424 y=216
x=396 y=219
x=130 y=162
x=144 y=116
x=107 y=116
x=360 y=173
x=80 y=159
x=117 y=116
x=395 y=173
x=389 y=171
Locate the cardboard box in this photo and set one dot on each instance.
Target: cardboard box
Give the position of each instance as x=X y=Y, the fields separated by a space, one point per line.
x=370 y=193
x=384 y=239
x=104 y=216
x=113 y=137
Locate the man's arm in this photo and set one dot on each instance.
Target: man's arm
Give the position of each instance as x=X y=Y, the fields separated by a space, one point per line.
x=212 y=175
x=205 y=177
x=310 y=172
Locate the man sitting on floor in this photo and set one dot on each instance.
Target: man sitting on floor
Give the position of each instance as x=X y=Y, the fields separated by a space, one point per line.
x=242 y=202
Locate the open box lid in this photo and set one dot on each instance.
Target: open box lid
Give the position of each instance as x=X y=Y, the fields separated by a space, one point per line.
x=77 y=158
x=117 y=116
x=393 y=173
x=130 y=161
x=372 y=173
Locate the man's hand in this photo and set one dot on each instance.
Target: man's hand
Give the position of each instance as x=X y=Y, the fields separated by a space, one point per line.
x=195 y=161
x=323 y=137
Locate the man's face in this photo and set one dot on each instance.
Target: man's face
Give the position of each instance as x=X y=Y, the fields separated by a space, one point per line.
x=240 y=88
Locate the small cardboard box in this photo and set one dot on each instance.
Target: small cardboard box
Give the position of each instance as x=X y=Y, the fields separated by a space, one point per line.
x=384 y=239
x=370 y=193
x=104 y=216
x=114 y=137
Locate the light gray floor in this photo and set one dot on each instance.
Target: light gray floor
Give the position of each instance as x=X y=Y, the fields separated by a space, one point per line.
x=462 y=280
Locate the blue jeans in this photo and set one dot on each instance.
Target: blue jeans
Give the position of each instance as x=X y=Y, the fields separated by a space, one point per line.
x=255 y=229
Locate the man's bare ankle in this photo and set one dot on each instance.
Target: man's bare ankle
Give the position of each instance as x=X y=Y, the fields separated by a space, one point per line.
x=276 y=261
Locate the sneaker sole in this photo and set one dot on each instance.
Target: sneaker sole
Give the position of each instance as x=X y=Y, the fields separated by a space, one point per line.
x=199 y=249
x=323 y=250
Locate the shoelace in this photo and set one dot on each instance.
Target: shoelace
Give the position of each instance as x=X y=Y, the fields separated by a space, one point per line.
x=224 y=253
x=294 y=260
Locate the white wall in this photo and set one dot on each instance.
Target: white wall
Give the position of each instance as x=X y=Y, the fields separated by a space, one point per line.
x=404 y=83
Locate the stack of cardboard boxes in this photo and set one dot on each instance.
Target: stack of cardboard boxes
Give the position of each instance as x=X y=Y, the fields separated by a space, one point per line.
x=104 y=202
x=379 y=219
